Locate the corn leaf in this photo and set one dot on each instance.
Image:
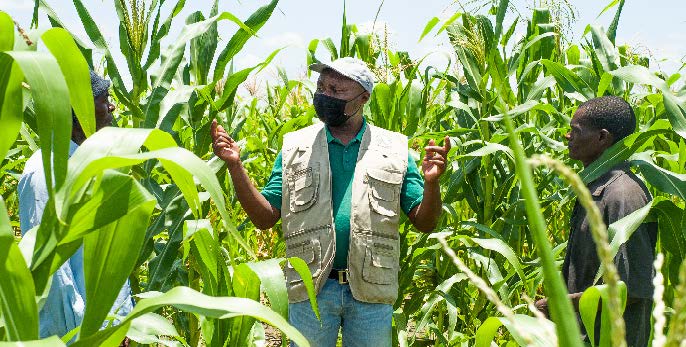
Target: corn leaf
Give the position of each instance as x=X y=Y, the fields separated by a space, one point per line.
x=52 y=341
x=300 y=266
x=113 y=148
x=663 y=179
x=238 y=40
x=428 y=27
x=234 y=80
x=171 y=60
x=146 y=329
x=56 y=22
x=560 y=304
x=540 y=332
x=273 y=283
x=17 y=294
x=671 y=225
x=176 y=214
x=206 y=251
x=6 y=32
x=331 y=47
x=190 y=300
x=51 y=102
x=11 y=102
x=161 y=31
x=429 y=306
x=487 y=149
x=202 y=47
x=676 y=112
x=506 y=251
x=99 y=41
x=246 y=284
x=612 y=31
x=566 y=79
x=588 y=310
x=605 y=49
x=640 y=75
x=107 y=252
x=500 y=16
x=75 y=70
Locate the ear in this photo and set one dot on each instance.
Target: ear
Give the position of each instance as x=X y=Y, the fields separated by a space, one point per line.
x=365 y=97
x=606 y=138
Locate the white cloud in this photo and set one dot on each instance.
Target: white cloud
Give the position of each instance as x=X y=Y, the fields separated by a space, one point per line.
x=16 y=5
x=379 y=27
x=246 y=60
x=286 y=39
x=666 y=51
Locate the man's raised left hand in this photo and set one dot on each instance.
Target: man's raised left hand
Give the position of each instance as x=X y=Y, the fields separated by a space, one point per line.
x=434 y=161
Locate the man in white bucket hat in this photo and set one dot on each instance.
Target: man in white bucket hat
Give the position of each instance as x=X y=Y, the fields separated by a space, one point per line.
x=338 y=187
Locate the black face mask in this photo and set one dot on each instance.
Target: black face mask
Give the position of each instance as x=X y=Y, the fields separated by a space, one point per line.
x=331 y=110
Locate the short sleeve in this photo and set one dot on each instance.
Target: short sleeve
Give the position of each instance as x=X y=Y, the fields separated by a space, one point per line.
x=272 y=191
x=412 y=191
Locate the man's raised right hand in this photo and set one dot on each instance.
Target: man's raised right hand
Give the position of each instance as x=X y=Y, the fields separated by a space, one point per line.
x=224 y=146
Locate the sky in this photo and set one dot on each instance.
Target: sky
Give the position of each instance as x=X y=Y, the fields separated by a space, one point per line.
x=654 y=27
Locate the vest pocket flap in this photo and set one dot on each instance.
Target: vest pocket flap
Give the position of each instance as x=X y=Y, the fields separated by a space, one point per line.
x=303 y=186
x=382 y=260
x=304 y=199
x=384 y=185
x=303 y=181
x=389 y=177
x=379 y=268
x=383 y=193
x=303 y=250
x=309 y=250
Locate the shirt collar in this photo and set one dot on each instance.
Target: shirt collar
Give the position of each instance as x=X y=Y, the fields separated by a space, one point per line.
x=358 y=137
x=598 y=186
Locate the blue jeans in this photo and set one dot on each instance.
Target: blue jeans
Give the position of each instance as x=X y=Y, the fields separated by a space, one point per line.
x=364 y=324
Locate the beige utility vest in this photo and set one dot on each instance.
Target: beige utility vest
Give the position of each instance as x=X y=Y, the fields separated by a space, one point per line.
x=307 y=213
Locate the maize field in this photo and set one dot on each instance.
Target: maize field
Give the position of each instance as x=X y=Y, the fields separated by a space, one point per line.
x=149 y=201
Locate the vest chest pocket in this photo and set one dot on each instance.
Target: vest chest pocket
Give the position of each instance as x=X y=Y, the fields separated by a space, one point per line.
x=384 y=191
x=307 y=249
x=303 y=186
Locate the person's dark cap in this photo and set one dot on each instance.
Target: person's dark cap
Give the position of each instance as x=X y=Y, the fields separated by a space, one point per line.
x=98 y=84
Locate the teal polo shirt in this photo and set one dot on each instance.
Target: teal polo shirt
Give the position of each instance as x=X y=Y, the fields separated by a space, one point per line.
x=342 y=161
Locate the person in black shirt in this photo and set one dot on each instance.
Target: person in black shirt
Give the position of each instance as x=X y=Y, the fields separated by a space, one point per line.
x=597 y=125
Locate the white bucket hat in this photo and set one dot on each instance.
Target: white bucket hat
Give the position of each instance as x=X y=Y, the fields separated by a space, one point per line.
x=353 y=68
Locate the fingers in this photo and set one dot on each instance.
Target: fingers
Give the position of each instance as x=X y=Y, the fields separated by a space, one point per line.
x=435 y=149
x=222 y=144
x=435 y=157
x=432 y=150
x=219 y=134
x=224 y=138
x=439 y=163
x=217 y=131
x=220 y=147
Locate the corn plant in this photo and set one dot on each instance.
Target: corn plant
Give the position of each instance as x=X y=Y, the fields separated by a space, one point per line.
x=196 y=255
x=96 y=202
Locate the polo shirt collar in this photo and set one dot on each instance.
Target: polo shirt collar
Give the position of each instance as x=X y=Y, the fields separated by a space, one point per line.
x=358 y=137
